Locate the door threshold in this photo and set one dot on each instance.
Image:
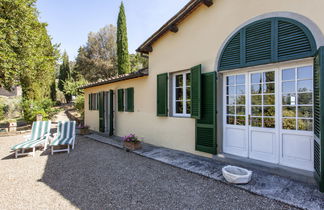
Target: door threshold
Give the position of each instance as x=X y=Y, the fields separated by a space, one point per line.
x=284 y=171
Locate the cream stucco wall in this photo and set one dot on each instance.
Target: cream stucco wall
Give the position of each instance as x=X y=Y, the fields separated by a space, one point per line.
x=198 y=41
x=169 y=132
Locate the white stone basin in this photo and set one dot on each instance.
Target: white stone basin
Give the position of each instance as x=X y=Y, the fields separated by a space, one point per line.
x=236 y=175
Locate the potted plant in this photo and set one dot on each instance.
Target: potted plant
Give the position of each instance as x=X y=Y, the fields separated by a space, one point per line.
x=132 y=142
x=84 y=129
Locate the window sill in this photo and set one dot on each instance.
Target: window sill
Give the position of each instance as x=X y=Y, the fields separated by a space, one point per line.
x=180 y=116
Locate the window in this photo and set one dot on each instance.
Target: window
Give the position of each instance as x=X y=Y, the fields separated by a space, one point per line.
x=181 y=94
x=126 y=100
x=235 y=100
x=297 y=98
x=93 y=101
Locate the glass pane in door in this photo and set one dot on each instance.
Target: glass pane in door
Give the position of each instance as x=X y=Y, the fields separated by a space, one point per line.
x=235 y=100
x=297 y=98
x=262 y=90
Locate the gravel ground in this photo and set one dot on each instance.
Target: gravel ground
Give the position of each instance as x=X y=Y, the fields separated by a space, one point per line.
x=98 y=176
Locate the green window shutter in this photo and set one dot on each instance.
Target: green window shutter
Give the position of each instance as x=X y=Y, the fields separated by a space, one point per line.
x=97 y=101
x=258 y=42
x=206 y=125
x=288 y=33
x=130 y=99
x=231 y=55
x=162 y=94
x=89 y=99
x=319 y=117
x=195 y=74
x=267 y=41
x=101 y=112
x=120 y=100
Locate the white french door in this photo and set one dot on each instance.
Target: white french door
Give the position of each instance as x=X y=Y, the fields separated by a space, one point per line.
x=268 y=116
x=262 y=118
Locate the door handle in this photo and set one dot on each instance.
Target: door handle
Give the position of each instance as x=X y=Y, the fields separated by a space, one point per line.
x=249 y=119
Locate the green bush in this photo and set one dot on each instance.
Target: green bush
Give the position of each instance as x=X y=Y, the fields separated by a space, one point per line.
x=79 y=104
x=10 y=107
x=2 y=112
x=32 y=108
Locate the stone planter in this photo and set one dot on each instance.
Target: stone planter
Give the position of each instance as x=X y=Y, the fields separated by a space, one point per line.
x=39 y=117
x=236 y=175
x=84 y=131
x=132 y=145
x=12 y=126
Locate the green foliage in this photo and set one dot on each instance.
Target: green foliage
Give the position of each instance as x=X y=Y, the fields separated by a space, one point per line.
x=2 y=111
x=53 y=91
x=64 y=75
x=64 y=72
x=10 y=107
x=71 y=86
x=79 y=104
x=138 y=62
x=44 y=107
x=97 y=59
x=27 y=56
x=122 y=43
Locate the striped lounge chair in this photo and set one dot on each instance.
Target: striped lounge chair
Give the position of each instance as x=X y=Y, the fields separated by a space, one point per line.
x=39 y=136
x=65 y=136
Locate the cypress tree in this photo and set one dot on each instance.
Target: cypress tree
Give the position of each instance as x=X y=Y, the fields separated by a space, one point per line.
x=64 y=75
x=122 y=43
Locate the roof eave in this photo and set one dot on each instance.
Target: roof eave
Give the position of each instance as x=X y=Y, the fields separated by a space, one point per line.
x=133 y=75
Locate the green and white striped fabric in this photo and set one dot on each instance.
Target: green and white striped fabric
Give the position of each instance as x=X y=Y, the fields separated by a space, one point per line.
x=65 y=133
x=39 y=131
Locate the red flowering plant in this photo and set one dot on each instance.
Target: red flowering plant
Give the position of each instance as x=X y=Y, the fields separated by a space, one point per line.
x=131 y=138
x=81 y=126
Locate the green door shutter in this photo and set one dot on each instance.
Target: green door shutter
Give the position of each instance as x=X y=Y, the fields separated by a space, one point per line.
x=319 y=117
x=206 y=125
x=120 y=100
x=130 y=99
x=97 y=101
x=111 y=112
x=162 y=94
x=195 y=78
x=89 y=99
x=101 y=112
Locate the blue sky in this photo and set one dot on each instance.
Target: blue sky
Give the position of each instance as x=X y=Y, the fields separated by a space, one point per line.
x=70 y=21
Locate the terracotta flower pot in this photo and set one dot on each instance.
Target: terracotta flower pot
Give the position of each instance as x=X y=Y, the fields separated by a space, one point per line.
x=84 y=131
x=132 y=145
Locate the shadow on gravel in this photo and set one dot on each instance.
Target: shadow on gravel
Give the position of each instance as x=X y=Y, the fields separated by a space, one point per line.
x=76 y=176
x=11 y=156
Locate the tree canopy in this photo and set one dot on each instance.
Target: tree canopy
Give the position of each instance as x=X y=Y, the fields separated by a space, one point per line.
x=27 y=56
x=122 y=43
x=64 y=75
x=97 y=59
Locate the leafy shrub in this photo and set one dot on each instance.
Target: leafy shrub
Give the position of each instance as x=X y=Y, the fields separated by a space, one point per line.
x=60 y=97
x=79 y=103
x=32 y=108
x=10 y=107
x=2 y=112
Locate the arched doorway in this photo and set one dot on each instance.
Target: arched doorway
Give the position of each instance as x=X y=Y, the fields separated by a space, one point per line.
x=268 y=103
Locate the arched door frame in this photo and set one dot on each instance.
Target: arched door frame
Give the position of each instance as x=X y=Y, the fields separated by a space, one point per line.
x=313 y=28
